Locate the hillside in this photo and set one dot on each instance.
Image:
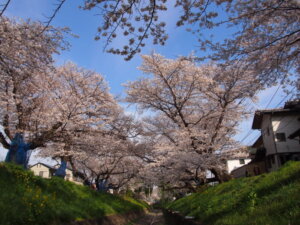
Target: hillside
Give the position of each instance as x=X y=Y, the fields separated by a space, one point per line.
x=268 y=199
x=28 y=199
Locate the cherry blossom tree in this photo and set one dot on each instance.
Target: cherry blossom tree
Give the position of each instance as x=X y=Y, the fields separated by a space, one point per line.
x=106 y=155
x=196 y=110
x=267 y=36
x=265 y=32
x=106 y=161
x=25 y=60
x=57 y=109
x=82 y=104
x=40 y=103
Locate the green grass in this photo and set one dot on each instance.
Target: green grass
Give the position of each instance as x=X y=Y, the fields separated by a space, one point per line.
x=268 y=199
x=140 y=203
x=28 y=199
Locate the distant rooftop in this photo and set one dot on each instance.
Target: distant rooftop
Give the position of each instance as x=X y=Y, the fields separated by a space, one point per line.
x=48 y=166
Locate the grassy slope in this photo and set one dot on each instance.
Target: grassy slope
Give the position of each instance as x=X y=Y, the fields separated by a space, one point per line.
x=28 y=199
x=272 y=199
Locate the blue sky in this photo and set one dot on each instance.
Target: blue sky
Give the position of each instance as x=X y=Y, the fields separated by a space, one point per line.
x=88 y=53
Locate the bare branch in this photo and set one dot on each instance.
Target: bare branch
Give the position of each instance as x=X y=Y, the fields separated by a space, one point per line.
x=4 y=7
x=47 y=24
x=45 y=136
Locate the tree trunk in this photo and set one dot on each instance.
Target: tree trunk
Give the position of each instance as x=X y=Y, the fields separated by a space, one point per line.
x=61 y=171
x=220 y=175
x=18 y=151
x=79 y=174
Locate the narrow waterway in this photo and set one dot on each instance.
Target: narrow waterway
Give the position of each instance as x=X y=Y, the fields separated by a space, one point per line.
x=153 y=217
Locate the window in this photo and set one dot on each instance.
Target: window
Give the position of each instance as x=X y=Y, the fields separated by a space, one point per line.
x=242 y=161
x=280 y=137
x=41 y=173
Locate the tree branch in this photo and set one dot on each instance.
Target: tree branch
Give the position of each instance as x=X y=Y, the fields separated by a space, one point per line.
x=45 y=136
x=5 y=7
x=59 y=5
x=3 y=141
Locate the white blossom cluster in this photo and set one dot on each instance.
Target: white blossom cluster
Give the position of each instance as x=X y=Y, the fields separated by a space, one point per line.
x=196 y=112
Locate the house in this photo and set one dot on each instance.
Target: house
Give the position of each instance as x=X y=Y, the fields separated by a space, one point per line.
x=42 y=170
x=46 y=171
x=237 y=158
x=256 y=165
x=279 y=134
x=279 y=141
x=233 y=164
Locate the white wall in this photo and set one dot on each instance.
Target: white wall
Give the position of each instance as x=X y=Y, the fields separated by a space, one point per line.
x=69 y=175
x=41 y=168
x=287 y=124
x=268 y=134
x=235 y=163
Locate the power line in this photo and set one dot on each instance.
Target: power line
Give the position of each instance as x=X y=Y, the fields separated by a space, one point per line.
x=286 y=97
x=273 y=96
x=251 y=131
x=284 y=116
x=253 y=139
x=248 y=134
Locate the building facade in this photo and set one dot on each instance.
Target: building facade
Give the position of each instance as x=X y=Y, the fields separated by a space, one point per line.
x=46 y=171
x=233 y=164
x=42 y=170
x=279 y=134
x=278 y=143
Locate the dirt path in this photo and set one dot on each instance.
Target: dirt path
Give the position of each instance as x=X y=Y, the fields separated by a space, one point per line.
x=153 y=217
